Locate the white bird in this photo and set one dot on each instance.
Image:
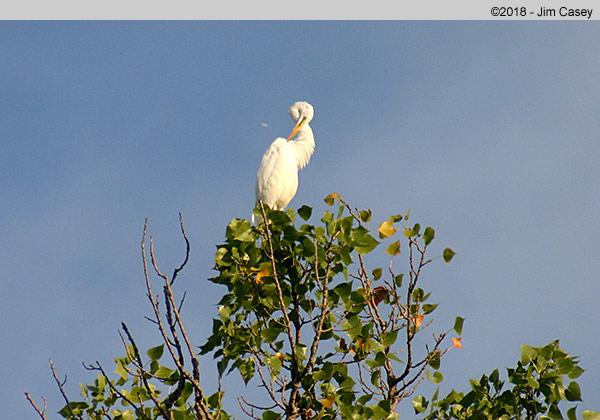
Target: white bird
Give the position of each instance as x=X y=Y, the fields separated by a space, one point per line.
x=277 y=176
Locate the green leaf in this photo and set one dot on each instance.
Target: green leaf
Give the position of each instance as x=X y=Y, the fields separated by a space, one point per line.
x=416 y=228
x=396 y=218
x=305 y=212
x=164 y=372
x=120 y=370
x=448 y=254
x=377 y=273
x=246 y=368
x=437 y=377
x=224 y=313
x=127 y=415
x=75 y=407
x=575 y=372
x=573 y=392
x=240 y=230
x=458 y=325
x=362 y=241
x=398 y=280
x=527 y=353
x=554 y=412
x=418 y=294
x=533 y=382
x=271 y=333
x=365 y=215
x=590 y=415
x=429 y=308
x=572 y=413
x=428 y=235
x=494 y=377
x=393 y=248
x=155 y=353
x=419 y=404
x=434 y=360
x=275 y=364
x=270 y=415
x=389 y=338
x=376 y=377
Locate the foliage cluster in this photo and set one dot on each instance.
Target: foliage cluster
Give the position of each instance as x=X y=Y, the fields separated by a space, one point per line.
x=322 y=334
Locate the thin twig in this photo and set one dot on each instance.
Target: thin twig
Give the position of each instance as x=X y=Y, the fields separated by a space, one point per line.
x=61 y=387
x=187 y=250
x=143 y=372
x=288 y=322
x=41 y=412
x=173 y=347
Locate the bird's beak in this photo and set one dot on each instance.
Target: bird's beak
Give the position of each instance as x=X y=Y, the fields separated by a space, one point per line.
x=297 y=128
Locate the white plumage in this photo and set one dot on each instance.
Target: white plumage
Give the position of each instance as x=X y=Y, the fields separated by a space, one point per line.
x=277 y=176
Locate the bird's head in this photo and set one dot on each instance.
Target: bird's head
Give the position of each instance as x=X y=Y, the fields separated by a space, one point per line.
x=302 y=113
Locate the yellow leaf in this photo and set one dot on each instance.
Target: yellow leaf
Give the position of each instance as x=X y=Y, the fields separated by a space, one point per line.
x=265 y=272
x=386 y=229
x=419 y=320
x=328 y=402
x=331 y=198
x=456 y=342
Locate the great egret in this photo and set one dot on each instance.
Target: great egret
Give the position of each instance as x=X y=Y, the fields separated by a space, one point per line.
x=277 y=176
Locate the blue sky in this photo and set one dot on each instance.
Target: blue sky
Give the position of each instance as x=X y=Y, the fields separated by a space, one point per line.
x=487 y=131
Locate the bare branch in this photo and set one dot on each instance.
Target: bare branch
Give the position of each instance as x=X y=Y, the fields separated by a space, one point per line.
x=61 y=387
x=41 y=412
x=187 y=250
x=324 y=312
x=143 y=373
x=173 y=347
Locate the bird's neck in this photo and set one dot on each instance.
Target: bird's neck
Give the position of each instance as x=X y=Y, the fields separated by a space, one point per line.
x=304 y=146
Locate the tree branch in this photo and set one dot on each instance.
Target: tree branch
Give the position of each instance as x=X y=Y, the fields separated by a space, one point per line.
x=38 y=410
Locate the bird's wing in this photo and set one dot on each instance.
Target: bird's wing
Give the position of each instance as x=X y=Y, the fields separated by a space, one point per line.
x=276 y=174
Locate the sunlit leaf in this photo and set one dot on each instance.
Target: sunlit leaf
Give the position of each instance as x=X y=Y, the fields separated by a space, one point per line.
x=330 y=199
x=120 y=370
x=590 y=415
x=393 y=248
x=418 y=320
x=389 y=338
x=419 y=404
x=386 y=229
x=328 y=402
x=429 y=307
x=457 y=342
x=362 y=241
x=265 y=272
x=155 y=353
x=527 y=353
